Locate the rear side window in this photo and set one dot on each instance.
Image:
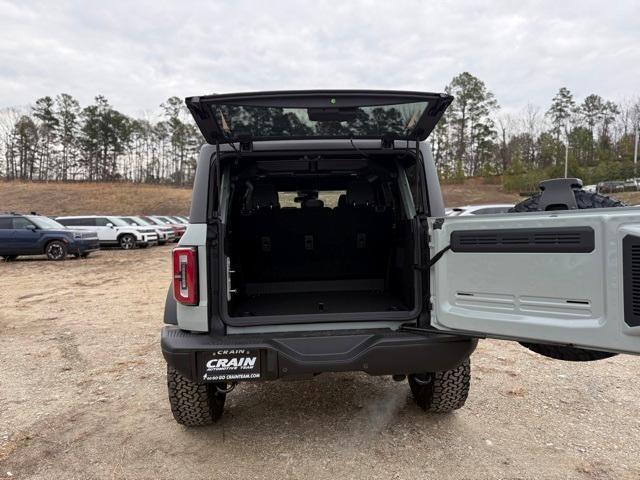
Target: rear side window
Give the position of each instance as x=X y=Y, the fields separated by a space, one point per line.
x=76 y=222
x=20 y=222
x=330 y=198
x=214 y=189
x=6 y=223
x=416 y=185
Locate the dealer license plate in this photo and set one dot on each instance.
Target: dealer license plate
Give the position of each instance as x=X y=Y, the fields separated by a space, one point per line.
x=229 y=365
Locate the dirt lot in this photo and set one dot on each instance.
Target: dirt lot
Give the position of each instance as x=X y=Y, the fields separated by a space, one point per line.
x=87 y=198
x=474 y=191
x=51 y=198
x=82 y=395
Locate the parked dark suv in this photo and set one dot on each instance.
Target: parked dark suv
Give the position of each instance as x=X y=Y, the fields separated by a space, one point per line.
x=318 y=243
x=37 y=235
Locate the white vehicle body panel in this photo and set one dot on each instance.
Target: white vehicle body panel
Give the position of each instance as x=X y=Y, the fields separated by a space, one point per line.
x=164 y=234
x=565 y=298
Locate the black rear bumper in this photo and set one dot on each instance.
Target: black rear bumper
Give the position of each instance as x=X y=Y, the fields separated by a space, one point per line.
x=376 y=352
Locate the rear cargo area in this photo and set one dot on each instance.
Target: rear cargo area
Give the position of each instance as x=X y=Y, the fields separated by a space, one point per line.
x=319 y=243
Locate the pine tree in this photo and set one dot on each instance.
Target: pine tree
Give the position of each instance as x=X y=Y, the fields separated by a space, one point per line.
x=47 y=134
x=67 y=112
x=469 y=117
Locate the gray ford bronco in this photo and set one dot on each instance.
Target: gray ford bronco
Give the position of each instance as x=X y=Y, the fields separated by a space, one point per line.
x=317 y=243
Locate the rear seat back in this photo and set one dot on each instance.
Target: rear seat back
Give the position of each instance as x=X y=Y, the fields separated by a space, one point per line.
x=360 y=194
x=264 y=196
x=309 y=241
x=256 y=232
x=362 y=232
x=314 y=242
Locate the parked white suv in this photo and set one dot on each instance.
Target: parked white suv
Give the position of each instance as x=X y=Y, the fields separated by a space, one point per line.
x=112 y=230
x=165 y=234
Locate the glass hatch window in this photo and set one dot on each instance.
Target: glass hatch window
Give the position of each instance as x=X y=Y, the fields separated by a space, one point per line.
x=335 y=122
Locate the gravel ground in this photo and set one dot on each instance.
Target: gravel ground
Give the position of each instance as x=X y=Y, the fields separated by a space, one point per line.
x=82 y=395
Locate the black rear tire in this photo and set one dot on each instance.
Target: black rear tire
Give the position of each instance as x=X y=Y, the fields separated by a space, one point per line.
x=56 y=250
x=560 y=352
x=194 y=404
x=442 y=392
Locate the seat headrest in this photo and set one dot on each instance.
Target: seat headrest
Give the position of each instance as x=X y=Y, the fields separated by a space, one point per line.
x=342 y=200
x=360 y=193
x=312 y=203
x=264 y=195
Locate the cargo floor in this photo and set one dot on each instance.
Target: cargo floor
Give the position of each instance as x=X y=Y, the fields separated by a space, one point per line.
x=318 y=302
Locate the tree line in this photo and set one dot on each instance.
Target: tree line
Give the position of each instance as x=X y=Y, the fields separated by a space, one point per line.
x=57 y=139
x=475 y=139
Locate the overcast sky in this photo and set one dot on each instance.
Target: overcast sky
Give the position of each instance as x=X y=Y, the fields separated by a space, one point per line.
x=138 y=53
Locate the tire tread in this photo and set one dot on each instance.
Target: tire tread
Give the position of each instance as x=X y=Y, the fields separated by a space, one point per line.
x=447 y=391
x=193 y=404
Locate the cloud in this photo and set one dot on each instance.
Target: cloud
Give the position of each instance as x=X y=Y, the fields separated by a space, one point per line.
x=138 y=53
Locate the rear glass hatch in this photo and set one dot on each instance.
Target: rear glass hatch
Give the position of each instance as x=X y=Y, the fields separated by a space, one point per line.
x=314 y=114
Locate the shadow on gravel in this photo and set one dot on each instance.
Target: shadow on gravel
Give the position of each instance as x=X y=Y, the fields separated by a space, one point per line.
x=337 y=412
x=333 y=423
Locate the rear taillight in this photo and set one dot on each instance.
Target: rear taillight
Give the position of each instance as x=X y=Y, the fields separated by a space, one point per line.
x=185 y=275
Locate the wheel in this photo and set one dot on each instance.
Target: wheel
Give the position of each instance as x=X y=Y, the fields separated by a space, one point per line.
x=442 y=392
x=560 y=352
x=56 y=250
x=127 y=241
x=194 y=404
x=9 y=258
